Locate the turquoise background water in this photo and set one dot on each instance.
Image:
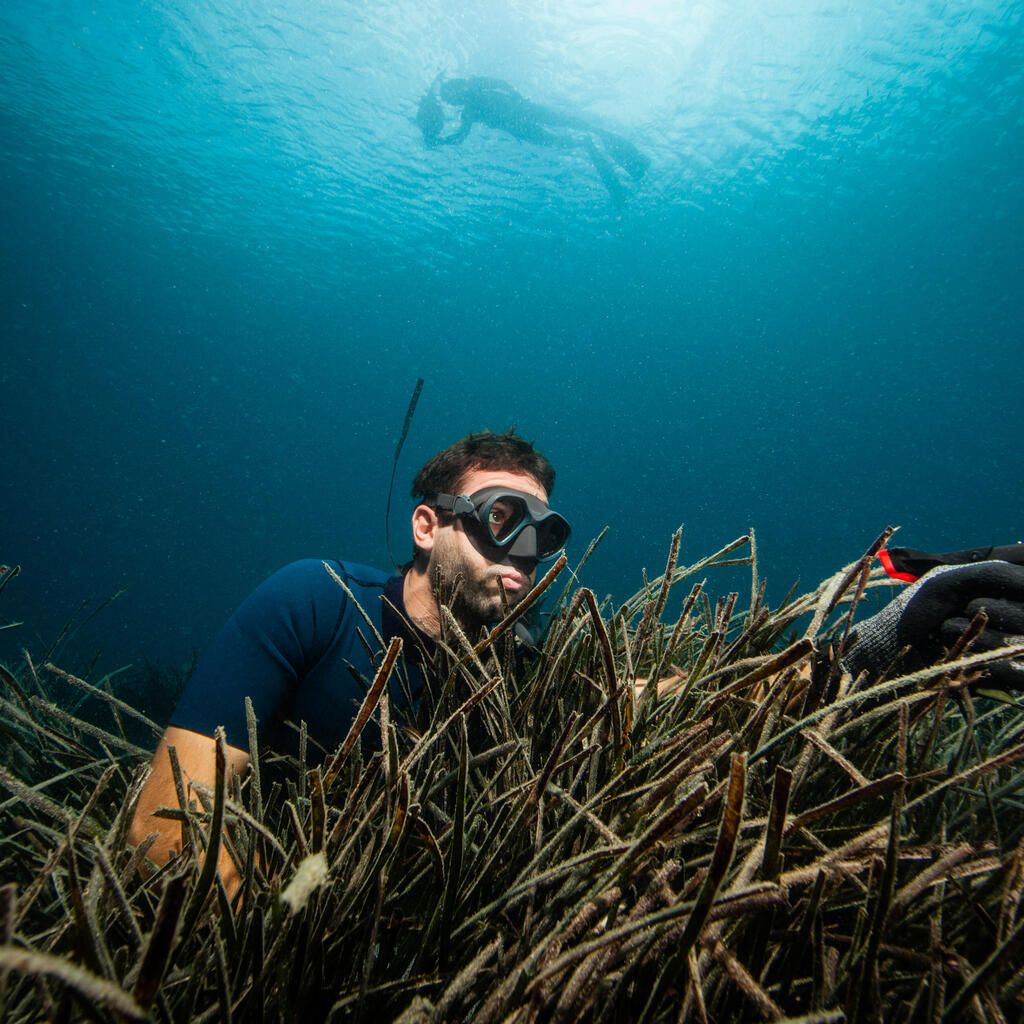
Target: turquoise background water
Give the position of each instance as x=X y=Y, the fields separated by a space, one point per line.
x=226 y=257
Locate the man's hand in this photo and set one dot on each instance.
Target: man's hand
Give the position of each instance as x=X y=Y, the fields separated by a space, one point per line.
x=931 y=614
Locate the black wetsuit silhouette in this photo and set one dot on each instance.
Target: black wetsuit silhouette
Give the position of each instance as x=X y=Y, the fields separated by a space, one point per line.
x=493 y=102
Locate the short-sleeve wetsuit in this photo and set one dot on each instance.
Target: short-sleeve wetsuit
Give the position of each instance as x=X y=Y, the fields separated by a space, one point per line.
x=300 y=650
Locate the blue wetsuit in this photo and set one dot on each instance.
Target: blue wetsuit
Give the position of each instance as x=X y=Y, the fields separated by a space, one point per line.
x=301 y=651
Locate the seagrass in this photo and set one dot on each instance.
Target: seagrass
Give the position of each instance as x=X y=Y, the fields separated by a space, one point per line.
x=752 y=838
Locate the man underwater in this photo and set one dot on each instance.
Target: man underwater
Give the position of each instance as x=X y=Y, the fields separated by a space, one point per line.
x=299 y=644
x=494 y=103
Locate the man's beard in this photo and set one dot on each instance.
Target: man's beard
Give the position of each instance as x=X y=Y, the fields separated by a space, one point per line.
x=471 y=598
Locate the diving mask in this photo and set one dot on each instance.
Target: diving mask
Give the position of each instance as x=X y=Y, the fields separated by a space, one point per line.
x=518 y=523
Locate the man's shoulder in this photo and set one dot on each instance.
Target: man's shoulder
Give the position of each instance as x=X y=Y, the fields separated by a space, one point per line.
x=361 y=575
x=314 y=569
x=314 y=601
x=319 y=577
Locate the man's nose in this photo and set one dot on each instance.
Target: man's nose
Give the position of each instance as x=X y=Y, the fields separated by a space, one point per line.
x=525 y=545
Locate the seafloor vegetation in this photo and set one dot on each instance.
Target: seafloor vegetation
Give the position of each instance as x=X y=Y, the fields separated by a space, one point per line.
x=743 y=845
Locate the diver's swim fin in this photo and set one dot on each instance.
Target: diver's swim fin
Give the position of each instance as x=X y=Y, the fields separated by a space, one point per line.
x=607 y=174
x=626 y=155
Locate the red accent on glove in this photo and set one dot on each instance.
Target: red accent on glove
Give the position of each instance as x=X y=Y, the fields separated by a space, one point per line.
x=890 y=569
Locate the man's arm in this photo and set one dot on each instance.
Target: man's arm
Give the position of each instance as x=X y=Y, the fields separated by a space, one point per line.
x=285 y=625
x=197 y=758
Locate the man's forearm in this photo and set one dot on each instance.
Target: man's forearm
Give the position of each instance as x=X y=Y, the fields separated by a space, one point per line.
x=196 y=755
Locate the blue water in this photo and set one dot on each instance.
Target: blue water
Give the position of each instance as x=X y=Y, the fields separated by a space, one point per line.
x=226 y=256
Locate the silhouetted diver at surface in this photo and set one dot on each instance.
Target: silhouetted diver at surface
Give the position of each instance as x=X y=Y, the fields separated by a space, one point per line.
x=493 y=102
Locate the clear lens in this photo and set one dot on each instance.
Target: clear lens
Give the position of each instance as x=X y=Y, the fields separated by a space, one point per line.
x=504 y=516
x=552 y=534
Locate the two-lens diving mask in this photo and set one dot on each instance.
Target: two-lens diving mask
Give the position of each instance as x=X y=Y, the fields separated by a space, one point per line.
x=519 y=524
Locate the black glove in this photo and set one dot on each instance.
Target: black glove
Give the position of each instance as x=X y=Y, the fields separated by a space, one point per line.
x=931 y=614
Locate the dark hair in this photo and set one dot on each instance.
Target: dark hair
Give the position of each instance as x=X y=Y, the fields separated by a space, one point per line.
x=486 y=450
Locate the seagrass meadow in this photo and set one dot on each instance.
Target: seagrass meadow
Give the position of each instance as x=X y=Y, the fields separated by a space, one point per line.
x=761 y=837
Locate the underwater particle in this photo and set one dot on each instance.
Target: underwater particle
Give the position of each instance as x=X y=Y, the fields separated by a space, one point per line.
x=309 y=876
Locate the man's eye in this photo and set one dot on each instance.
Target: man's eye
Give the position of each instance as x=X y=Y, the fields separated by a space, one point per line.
x=499 y=518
